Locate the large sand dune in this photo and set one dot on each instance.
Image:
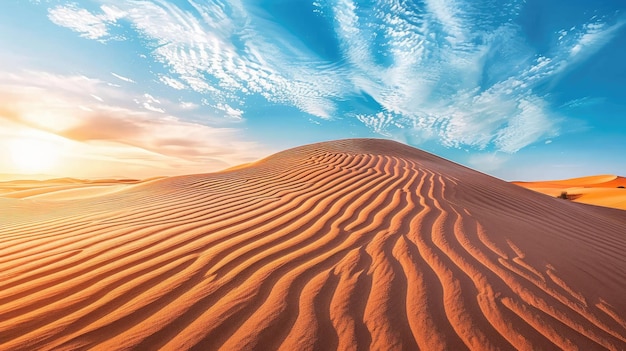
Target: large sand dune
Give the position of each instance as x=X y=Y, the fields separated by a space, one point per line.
x=347 y=245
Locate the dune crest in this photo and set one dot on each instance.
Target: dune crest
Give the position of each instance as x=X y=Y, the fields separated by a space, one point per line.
x=351 y=244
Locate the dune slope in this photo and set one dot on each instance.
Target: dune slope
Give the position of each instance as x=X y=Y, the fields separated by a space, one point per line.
x=352 y=244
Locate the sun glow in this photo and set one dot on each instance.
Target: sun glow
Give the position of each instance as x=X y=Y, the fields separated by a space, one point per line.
x=31 y=154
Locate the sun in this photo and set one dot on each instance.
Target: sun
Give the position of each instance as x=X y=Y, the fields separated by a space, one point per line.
x=33 y=155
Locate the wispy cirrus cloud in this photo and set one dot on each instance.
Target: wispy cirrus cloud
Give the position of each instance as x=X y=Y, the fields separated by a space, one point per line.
x=433 y=79
x=89 y=25
x=122 y=78
x=581 y=44
x=458 y=71
x=199 y=51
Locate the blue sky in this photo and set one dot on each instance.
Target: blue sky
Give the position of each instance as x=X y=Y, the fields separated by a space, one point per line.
x=518 y=89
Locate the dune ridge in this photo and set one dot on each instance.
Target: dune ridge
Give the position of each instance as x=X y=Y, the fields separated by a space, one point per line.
x=352 y=244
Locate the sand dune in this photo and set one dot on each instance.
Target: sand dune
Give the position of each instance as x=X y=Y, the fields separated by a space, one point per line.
x=600 y=190
x=65 y=188
x=353 y=244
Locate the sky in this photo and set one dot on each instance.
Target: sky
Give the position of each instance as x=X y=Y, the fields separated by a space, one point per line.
x=521 y=90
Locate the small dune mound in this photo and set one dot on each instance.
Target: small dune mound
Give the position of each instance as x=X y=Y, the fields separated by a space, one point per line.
x=602 y=190
x=352 y=244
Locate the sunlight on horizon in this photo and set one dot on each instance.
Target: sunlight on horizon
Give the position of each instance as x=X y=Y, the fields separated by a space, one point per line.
x=32 y=155
x=34 y=152
x=31 y=152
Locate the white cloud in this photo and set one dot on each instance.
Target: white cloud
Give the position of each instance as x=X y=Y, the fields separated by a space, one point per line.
x=590 y=40
x=380 y=122
x=196 y=47
x=230 y=111
x=149 y=103
x=456 y=70
x=125 y=79
x=584 y=102
x=530 y=124
x=186 y=105
x=152 y=108
x=151 y=99
x=445 y=12
x=426 y=86
x=436 y=84
x=171 y=82
x=89 y=25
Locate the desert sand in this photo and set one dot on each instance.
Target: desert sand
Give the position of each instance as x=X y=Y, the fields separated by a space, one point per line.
x=352 y=244
x=599 y=190
x=63 y=188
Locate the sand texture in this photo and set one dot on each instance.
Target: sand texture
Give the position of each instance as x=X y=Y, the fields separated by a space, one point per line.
x=600 y=190
x=351 y=245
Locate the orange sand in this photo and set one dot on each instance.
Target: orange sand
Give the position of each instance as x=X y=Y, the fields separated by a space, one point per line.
x=601 y=190
x=347 y=245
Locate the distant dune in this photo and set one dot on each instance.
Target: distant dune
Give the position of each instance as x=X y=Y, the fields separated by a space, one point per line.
x=352 y=244
x=63 y=188
x=600 y=190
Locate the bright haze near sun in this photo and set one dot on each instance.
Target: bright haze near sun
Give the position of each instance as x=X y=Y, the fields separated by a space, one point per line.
x=517 y=89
